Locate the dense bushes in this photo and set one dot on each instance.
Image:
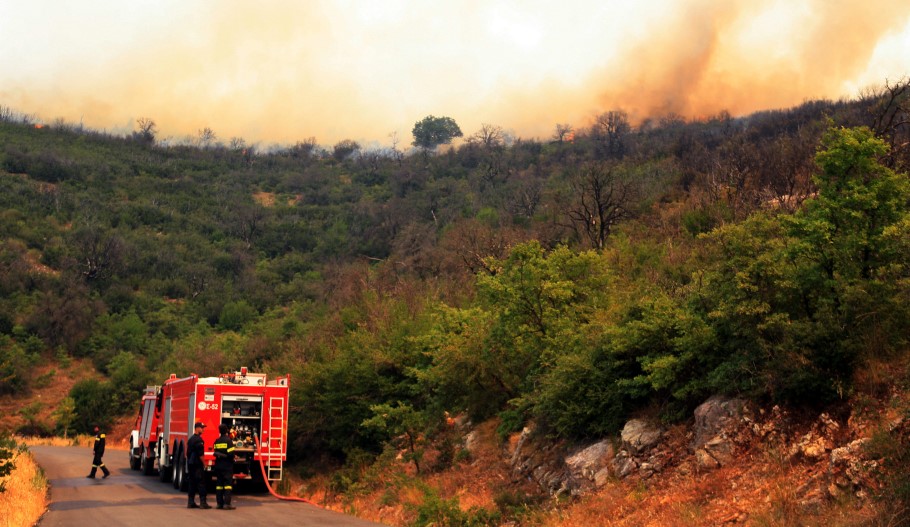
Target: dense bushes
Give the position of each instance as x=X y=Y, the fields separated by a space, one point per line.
x=783 y=307
x=16 y=366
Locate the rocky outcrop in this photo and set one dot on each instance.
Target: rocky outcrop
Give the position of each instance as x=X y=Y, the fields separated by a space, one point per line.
x=723 y=428
x=588 y=467
x=538 y=459
x=716 y=423
x=849 y=468
x=639 y=437
x=818 y=442
x=575 y=470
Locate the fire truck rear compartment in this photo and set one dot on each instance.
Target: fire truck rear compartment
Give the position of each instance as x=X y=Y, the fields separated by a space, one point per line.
x=243 y=415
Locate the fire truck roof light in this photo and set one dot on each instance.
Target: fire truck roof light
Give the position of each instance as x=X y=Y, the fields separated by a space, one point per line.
x=243 y=371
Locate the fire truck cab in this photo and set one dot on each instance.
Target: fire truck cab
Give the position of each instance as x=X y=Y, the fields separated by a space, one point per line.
x=253 y=407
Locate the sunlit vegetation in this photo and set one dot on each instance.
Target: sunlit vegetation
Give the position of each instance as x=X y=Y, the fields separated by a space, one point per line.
x=23 y=489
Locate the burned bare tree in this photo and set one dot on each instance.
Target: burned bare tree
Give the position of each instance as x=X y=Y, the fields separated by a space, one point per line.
x=563 y=133
x=147 y=130
x=785 y=173
x=603 y=195
x=491 y=141
x=609 y=132
x=247 y=223
x=889 y=108
x=100 y=253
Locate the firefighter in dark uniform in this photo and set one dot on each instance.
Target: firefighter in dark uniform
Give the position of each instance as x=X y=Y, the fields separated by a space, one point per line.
x=224 y=468
x=98 y=451
x=195 y=450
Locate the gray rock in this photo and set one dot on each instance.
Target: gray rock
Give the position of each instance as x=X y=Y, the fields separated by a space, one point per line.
x=623 y=465
x=591 y=459
x=639 y=436
x=587 y=468
x=712 y=417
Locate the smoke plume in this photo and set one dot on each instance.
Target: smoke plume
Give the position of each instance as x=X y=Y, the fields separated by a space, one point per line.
x=280 y=72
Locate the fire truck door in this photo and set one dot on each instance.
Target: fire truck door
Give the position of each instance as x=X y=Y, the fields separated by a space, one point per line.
x=166 y=425
x=191 y=416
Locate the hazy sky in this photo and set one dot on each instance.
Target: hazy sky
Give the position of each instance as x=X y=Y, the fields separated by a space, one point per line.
x=283 y=71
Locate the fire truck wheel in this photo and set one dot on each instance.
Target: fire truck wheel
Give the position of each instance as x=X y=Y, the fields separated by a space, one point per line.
x=177 y=470
x=164 y=472
x=134 y=461
x=181 y=471
x=148 y=466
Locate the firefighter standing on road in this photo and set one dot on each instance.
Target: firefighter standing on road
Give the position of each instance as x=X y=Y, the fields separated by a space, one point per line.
x=98 y=451
x=224 y=468
x=195 y=450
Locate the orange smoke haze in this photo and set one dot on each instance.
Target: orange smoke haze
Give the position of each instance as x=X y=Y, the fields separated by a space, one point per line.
x=283 y=71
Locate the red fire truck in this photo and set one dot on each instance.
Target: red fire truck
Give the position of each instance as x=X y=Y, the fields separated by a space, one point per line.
x=254 y=407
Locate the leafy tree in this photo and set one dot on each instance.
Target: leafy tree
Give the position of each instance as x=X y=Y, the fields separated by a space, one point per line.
x=65 y=414
x=64 y=317
x=345 y=149
x=402 y=421
x=15 y=366
x=468 y=371
x=127 y=380
x=234 y=315
x=795 y=299
x=33 y=425
x=93 y=403
x=529 y=312
x=431 y=132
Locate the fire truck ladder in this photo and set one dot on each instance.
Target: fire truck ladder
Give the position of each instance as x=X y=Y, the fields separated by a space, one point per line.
x=273 y=448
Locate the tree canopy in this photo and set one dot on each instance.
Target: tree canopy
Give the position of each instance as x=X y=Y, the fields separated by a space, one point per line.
x=430 y=132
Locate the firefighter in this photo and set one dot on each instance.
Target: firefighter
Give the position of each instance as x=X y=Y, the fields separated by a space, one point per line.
x=195 y=450
x=224 y=468
x=98 y=451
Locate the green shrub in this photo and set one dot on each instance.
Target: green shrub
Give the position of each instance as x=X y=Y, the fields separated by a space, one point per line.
x=893 y=448
x=435 y=511
x=16 y=366
x=235 y=315
x=93 y=405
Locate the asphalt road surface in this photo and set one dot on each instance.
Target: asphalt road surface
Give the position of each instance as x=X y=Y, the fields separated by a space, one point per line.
x=129 y=499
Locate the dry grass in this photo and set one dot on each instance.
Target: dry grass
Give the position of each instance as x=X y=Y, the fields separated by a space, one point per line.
x=79 y=440
x=26 y=496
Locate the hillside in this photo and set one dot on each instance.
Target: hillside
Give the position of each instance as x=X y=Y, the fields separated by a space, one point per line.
x=565 y=286
x=781 y=470
x=784 y=470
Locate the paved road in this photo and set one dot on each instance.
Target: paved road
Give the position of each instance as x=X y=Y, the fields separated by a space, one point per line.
x=130 y=499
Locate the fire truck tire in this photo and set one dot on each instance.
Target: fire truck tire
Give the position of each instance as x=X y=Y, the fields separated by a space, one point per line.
x=176 y=469
x=164 y=472
x=147 y=463
x=184 y=483
x=178 y=475
x=134 y=461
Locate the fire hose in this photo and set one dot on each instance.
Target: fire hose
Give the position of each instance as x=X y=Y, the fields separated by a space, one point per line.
x=265 y=477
